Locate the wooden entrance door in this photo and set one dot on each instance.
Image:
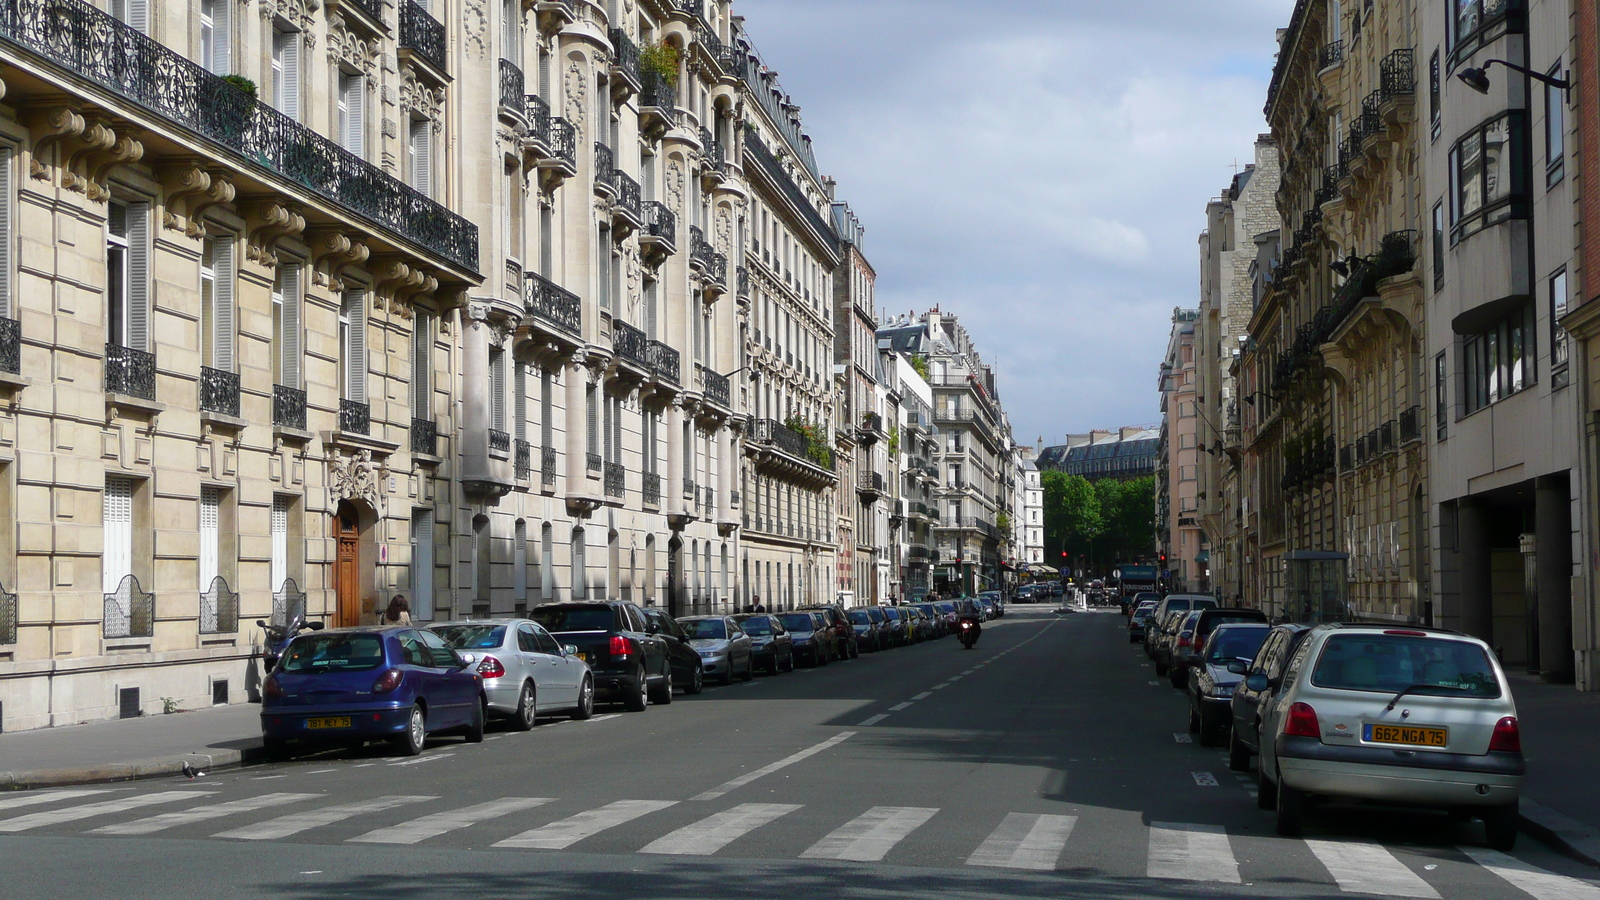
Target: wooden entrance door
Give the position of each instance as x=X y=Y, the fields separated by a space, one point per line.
x=346 y=580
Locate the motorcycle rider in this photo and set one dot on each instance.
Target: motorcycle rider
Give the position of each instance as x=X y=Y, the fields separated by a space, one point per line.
x=968 y=614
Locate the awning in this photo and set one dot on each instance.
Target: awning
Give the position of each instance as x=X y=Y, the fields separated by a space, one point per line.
x=1203 y=557
x=1042 y=569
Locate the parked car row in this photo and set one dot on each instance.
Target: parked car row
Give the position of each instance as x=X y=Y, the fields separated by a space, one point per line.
x=1037 y=592
x=1395 y=715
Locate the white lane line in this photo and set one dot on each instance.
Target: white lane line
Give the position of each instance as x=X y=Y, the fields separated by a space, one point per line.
x=1025 y=841
x=29 y=798
x=1204 y=779
x=969 y=671
x=87 y=810
x=424 y=759
x=1542 y=884
x=923 y=696
x=940 y=687
x=283 y=826
x=712 y=833
x=873 y=720
x=899 y=706
x=164 y=821
x=870 y=836
x=364 y=766
x=1155 y=682
x=439 y=823
x=265 y=777
x=563 y=834
x=1191 y=853
x=789 y=760
x=1361 y=868
x=1183 y=738
x=325 y=771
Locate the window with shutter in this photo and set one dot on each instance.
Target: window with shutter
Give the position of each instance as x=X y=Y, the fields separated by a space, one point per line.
x=286 y=305
x=546 y=409
x=223 y=313
x=7 y=237
x=210 y=542
x=497 y=390
x=286 y=72
x=519 y=401
x=650 y=310
x=610 y=416
x=593 y=414
x=116 y=558
x=603 y=262
x=138 y=281
x=422 y=367
x=422 y=564
x=519 y=561
x=353 y=344
x=421 y=149
x=353 y=108
x=280 y=541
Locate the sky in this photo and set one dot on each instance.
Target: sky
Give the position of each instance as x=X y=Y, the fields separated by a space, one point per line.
x=1039 y=168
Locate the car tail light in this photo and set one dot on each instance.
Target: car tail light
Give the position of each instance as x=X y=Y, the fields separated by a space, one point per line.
x=1302 y=722
x=271 y=688
x=620 y=646
x=387 y=682
x=1183 y=639
x=491 y=668
x=1507 y=736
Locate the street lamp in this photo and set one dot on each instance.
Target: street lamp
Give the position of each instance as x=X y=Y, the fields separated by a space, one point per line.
x=1478 y=78
x=1250 y=398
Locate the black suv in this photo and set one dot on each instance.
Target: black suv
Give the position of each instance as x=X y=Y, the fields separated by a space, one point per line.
x=687 y=670
x=629 y=662
x=844 y=634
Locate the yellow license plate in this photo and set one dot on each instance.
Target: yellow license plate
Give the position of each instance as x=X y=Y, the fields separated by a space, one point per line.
x=340 y=722
x=1409 y=735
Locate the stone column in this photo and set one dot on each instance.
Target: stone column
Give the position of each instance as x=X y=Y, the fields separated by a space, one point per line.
x=577 y=428
x=1553 y=525
x=1477 y=595
x=475 y=391
x=673 y=483
x=725 y=470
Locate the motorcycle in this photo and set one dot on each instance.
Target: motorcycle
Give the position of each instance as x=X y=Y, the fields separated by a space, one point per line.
x=279 y=636
x=969 y=633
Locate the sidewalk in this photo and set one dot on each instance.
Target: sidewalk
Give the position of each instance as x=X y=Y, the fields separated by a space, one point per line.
x=1561 y=738
x=123 y=749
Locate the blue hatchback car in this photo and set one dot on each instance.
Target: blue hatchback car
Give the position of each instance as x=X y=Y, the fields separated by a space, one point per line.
x=352 y=685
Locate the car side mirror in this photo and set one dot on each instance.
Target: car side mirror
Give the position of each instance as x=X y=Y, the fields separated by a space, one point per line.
x=1256 y=682
x=1238 y=667
x=467 y=659
x=570 y=649
x=315 y=626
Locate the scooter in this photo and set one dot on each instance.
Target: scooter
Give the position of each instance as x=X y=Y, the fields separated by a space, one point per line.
x=279 y=636
x=969 y=633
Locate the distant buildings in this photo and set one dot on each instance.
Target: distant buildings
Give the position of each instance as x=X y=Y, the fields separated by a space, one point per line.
x=1127 y=453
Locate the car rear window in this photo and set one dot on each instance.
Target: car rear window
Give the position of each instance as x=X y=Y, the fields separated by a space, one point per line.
x=1389 y=663
x=705 y=629
x=1176 y=604
x=798 y=622
x=472 y=637
x=758 y=626
x=1236 y=643
x=860 y=617
x=577 y=618
x=334 y=653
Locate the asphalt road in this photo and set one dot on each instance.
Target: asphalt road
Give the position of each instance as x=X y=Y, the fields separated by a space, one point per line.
x=1048 y=762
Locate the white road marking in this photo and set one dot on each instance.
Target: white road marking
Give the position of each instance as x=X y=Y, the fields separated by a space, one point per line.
x=202 y=814
x=105 y=807
x=923 y=696
x=870 y=836
x=265 y=777
x=284 y=826
x=1542 y=884
x=325 y=771
x=29 y=798
x=1025 y=841
x=1155 y=682
x=364 y=766
x=899 y=706
x=1183 y=738
x=563 y=834
x=1191 y=853
x=595 y=719
x=1369 y=869
x=423 y=759
x=873 y=720
x=712 y=833
x=1204 y=779
x=439 y=823
x=768 y=769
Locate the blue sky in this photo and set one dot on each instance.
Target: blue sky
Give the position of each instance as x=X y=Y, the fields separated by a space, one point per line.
x=1040 y=168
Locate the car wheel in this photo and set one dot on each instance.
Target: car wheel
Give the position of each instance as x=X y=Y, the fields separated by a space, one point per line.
x=749 y=668
x=479 y=716
x=661 y=694
x=415 y=736
x=585 y=707
x=788 y=665
x=814 y=659
x=1291 y=811
x=638 y=696
x=1266 y=789
x=527 y=709
x=697 y=681
x=855 y=650
x=1161 y=668
x=1501 y=826
x=1238 y=754
x=275 y=749
x=772 y=664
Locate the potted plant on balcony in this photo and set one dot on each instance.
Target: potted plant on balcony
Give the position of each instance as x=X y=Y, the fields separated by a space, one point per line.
x=661 y=60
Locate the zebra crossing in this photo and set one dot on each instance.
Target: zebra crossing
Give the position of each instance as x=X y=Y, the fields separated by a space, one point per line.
x=1027 y=842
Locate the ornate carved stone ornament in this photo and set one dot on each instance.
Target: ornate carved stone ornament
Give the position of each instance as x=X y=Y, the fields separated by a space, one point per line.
x=425 y=100
x=634 y=270
x=345 y=46
x=103 y=149
x=275 y=220
x=299 y=13
x=577 y=95
x=331 y=251
x=355 y=477
x=674 y=185
x=475 y=27
x=724 y=229
x=500 y=329
x=191 y=192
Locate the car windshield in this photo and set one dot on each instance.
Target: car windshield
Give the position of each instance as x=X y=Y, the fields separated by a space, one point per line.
x=576 y=618
x=704 y=629
x=860 y=617
x=334 y=653
x=947 y=606
x=1389 y=663
x=1236 y=643
x=1143 y=613
x=797 y=622
x=757 y=627
x=891 y=614
x=472 y=637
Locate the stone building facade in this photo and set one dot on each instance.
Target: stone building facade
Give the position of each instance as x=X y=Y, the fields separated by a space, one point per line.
x=1180 y=541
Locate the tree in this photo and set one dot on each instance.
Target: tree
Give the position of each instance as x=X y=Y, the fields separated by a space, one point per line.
x=1072 y=515
x=1128 y=508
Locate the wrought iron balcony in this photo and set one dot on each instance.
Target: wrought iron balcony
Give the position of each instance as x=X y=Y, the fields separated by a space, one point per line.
x=512 y=98
x=1328 y=191
x=219 y=608
x=1332 y=54
x=129 y=611
x=629 y=343
x=552 y=303
x=660 y=226
x=424 y=437
x=652 y=489
x=871 y=429
x=10 y=346
x=743 y=281
x=288 y=407
x=625 y=59
x=1386 y=436
x=8 y=616
x=658 y=96
x=131 y=372
x=499 y=441
x=593 y=463
x=523 y=460
x=1411 y=425
x=627 y=206
x=616 y=480
x=698 y=246
x=92 y=45
x=373 y=9
x=1371 y=118
x=1397 y=75
x=756 y=152
x=219 y=391
x=869 y=482
x=605 y=168
x=288 y=603
x=355 y=417
x=422 y=34
x=537 y=113
x=691 y=491
x=711 y=262
x=547 y=466
x=715 y=387
x=771 y=431
x=664 y=362
x=714 y=155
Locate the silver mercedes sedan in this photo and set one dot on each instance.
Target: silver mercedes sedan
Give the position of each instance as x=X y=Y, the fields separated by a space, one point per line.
x=525 y=672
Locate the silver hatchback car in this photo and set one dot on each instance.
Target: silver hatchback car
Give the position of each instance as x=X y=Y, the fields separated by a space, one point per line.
x=525 y=672
x=1398 y=715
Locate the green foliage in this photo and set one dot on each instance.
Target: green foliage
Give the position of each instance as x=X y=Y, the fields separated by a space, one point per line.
x=919 y=362
x=1002 y=521
x=817 y=448
x=661 y=59
x=894 y=440
x=1109 y=520
x=241 y=83
x=1071 y=512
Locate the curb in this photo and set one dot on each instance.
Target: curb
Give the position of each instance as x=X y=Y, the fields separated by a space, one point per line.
x=129 y=771
x=1561 y=832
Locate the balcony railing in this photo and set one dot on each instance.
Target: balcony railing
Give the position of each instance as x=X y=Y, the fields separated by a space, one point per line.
x=553 y=303
x=629 y=343
x=219 y=608
x=537 y=112
x=1332 y=54
x=8 y=616
x=564 y=140
x=658 y=93
x=616 y=480
x=499 y=441
x=1411 y=425
x=664 y=361
x=605 y=167
x=422 y=34
x=771 y=431
x=10 y=346
x=593 y=463
x=512 y=97
x=131 y=372
x=660 y=222
x=424 y=437
x=764 y=159
x=652 y=489
x=288 y=603
x=523 y=460
x=219 y=391
x=288 y=407
x=712 y=151
x=547 y=466
x=1396 y=75
x=712 y=261
x=626 y=53
x=92 y=45
x=129 y=611
x=743 y=280
x=869 y=481
x=715 y=387
x=355 y=417
x=628 y=196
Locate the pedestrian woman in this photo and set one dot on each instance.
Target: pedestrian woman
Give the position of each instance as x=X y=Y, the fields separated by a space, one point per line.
x=399 y=611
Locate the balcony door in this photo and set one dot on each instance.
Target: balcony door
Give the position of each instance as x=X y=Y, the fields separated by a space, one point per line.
x=346 y=566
